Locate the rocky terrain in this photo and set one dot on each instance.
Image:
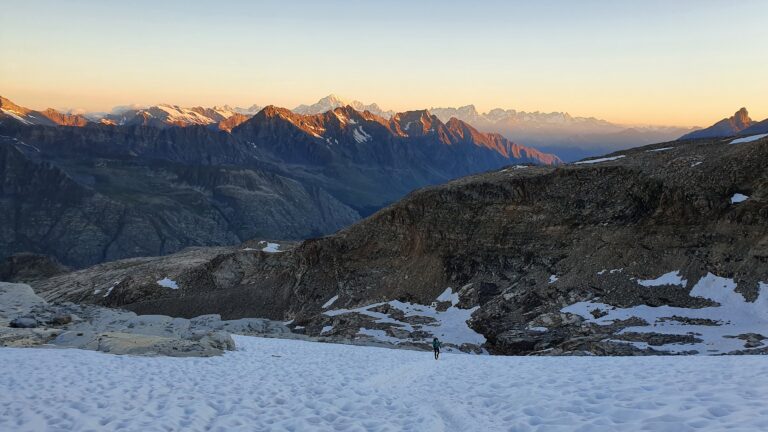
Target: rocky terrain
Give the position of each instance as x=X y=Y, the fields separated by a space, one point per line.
x=26 y=320
x=659 y=249
x=102 y=192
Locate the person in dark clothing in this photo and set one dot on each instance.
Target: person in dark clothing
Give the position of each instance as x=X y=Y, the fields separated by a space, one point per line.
x=436 y=344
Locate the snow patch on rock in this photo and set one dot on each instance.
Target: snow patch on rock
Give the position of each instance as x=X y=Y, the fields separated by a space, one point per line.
x=331 y=301
x=738 y=198
x=605 y=159
x=168 y=283
x=732 y=317
x=671 y=278
x=749 y=138
x=449 y=325
x=360 y=135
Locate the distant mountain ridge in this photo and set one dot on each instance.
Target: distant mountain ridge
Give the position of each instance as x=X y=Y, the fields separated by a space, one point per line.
x=569 y=137
x=171 y=177
x=163 y=115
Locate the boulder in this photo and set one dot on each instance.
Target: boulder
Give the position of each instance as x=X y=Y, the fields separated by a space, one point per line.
x=24 y=322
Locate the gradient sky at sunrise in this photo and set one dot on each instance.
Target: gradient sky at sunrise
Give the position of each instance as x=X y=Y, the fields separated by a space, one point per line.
x=685 y=62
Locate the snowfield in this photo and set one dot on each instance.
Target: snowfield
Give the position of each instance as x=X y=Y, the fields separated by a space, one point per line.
x=285 y=385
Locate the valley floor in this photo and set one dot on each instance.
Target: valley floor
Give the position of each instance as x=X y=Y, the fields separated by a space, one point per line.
x=287 y=385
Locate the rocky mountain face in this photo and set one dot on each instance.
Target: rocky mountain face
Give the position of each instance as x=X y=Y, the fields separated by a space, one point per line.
x=11 y=112
x=756 y=128
x=123 y=191
x=660 y=249
x=85 y=211
x=383 y=159
x=724 y=128
x=571 y=138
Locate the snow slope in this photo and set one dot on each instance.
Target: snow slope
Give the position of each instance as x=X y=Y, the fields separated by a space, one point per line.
x=285 y=385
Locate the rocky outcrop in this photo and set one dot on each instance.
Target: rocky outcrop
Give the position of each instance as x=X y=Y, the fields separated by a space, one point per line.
x=724 y=128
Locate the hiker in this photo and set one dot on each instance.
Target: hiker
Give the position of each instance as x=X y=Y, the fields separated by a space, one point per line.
x=436 y=344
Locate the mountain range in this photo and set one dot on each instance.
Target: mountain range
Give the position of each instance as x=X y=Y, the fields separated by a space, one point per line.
x=569 y=137
x=87 y=192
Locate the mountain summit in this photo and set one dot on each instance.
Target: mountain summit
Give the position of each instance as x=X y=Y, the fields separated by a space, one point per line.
x=333 y=101
x=724 y=128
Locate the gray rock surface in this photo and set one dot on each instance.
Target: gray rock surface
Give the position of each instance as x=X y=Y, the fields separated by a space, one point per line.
x=24 y=322
x=28 y=320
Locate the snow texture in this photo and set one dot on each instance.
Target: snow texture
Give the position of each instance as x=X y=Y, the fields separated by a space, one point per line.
x=287 y=385
x=748 y=139
x=553 y=279
x=331 y=301
x=660 y=149
x=605 y=159
x=168 y=283
x=737 y=198
x=731 y=317
x=671 y=278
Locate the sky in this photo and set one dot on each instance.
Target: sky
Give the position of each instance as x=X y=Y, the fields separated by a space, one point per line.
x=682 y=62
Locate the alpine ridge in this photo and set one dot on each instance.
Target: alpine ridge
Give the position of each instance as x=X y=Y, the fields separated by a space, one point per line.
x=726 y=127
